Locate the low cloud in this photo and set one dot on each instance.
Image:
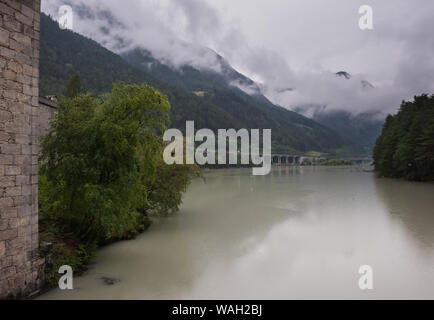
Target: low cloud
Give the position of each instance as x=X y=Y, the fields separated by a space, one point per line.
x=291 y=49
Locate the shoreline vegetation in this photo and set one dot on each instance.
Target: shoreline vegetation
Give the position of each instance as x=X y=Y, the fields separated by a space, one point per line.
x=405 y=149
x=330 y=163
x=102 y=175
x=326 y=162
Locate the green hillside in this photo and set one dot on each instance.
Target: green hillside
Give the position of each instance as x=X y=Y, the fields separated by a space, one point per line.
x=362 y=129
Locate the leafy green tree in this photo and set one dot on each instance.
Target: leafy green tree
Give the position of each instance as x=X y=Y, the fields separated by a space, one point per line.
x=164 y=192
x=73 y=87
x=99 y=158
x=102 y=172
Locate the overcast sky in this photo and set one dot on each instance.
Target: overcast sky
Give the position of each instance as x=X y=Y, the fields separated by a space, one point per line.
x=280 y=44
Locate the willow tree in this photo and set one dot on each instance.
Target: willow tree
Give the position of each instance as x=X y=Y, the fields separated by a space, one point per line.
x=99 y=159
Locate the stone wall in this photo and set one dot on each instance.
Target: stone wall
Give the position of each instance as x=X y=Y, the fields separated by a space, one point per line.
x=20 y=264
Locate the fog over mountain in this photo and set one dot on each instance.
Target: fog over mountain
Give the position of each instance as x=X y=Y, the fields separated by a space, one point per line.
x=292 y=49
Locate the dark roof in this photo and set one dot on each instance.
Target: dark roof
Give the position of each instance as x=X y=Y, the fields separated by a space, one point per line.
x=47 y=102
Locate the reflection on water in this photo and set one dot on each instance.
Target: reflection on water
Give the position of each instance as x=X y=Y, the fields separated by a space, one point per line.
x=417 y=215
x=296 y=233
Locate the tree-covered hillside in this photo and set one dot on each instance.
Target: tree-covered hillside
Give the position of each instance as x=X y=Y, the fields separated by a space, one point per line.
x=362 y=129
x=405 y=148
x=64 y=53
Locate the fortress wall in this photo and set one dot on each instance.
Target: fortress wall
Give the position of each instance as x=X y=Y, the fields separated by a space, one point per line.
x=20 y=127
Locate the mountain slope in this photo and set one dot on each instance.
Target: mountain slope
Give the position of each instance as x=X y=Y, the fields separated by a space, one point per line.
x=240 y=96
x=221 y=105
x=363 y=129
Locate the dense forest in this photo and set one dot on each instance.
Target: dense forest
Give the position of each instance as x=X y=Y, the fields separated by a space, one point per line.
x=64 y=53
x=405 y=148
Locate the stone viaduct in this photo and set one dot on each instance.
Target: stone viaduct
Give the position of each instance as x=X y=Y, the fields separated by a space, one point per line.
x=288 y=159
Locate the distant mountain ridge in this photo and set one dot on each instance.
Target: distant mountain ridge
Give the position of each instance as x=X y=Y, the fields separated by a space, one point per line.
x=212 y=99
x=363 y=129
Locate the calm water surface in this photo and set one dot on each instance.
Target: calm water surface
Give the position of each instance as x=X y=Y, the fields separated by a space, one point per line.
x=296 y=233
